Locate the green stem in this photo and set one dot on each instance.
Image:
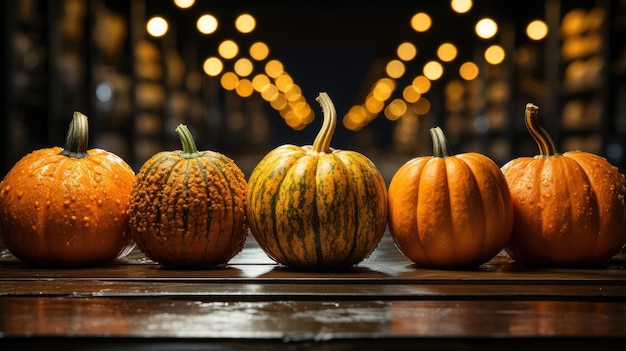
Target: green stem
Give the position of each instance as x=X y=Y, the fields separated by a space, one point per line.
x=541 y=136
x=322 y=141
x=77 y=137
x=440 y=143
x=186 y=139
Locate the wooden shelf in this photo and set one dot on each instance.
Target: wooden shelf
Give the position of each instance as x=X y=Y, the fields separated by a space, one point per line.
x=386 y=301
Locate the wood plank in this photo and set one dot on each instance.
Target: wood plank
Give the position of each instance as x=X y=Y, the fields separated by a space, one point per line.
x=386 y=264
x=258 y=291
x=292 y=320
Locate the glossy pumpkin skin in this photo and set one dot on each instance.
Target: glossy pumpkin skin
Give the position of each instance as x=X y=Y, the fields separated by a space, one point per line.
x=449 y=211
x=187 y=208
x=315 y=208
x=67 y=206
x=569 y=208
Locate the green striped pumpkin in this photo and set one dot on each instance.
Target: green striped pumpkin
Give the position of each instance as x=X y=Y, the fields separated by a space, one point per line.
x=187 y=208
x=314 y=207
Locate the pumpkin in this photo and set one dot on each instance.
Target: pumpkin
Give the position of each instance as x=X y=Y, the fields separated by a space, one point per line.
x=569 y=208
x=313 y=207
x=187 y=208
x=67 y=206
x=449 y=211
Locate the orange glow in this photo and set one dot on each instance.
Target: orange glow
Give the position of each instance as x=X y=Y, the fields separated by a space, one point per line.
x=421 y=22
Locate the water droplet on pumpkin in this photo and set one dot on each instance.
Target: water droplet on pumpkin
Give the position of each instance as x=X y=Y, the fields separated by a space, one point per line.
x=66 y=203
x=99 y=202
x=20 y=194
x=73 y=218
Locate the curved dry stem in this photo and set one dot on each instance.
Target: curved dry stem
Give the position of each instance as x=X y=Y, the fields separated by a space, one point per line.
x=541 y=136
x=322 y=141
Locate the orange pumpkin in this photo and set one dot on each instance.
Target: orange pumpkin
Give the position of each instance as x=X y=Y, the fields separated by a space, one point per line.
x=314 y=207
x=187 y=208
x=67 y=206
x=449 y=211
x=569 y=208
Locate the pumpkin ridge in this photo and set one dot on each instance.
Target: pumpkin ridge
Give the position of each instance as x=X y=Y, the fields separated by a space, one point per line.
x=209 y=213
x=458 y=174
x=369 y=191
x=480 y=168
x=212 y=159
x=427 y=176
x=593 y=203
x=275 y=232
x=355 y=200
x=185 y=209
x=315 y=221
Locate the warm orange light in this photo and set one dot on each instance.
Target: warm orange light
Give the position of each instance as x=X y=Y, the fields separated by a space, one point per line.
x=245 y=23
x=421 y=84
x=213 y=66
x=229 y=81
x=259 y=51
x=243 y=67
x=244 y=88
x=494 y=54
x=395 y=69
x=157 y=26
x=421 y=22
x=207 y=24
x=469 y=71
x=274 y=68
x=184 y=4
x=447 y=52
x=228 y=49
x=486 y=28
x=537 y=30
x=406 y=51
x=433 y=70
x=461 y=6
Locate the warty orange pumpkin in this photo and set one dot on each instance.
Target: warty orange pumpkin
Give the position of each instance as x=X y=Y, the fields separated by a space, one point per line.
x=569 y=208
x=449 y=211
x=67 y=206
x=187 y=208
x=314 y=207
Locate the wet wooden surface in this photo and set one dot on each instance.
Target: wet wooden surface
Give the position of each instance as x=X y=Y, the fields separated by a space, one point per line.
x=386 y=301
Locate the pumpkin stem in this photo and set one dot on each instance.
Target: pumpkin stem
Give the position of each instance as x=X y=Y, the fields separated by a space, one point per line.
x=322 y=141
x=541 y=136
x=186 y=139
x=440 y=143
x=77 y=137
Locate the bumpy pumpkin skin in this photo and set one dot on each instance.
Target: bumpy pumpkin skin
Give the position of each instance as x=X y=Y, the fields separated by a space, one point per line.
x=450 y=212
x=58 y=210
x=315 y=208
x=189 y=212
x=569 y=208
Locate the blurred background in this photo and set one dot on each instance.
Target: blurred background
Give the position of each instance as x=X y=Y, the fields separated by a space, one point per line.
x=244 y=75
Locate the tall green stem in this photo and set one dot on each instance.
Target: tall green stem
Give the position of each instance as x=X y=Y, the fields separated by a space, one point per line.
x=440 y=143
x=77 y=137
x=186 y=139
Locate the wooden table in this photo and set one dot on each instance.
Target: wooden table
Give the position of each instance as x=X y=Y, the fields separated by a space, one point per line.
x=252 y=303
